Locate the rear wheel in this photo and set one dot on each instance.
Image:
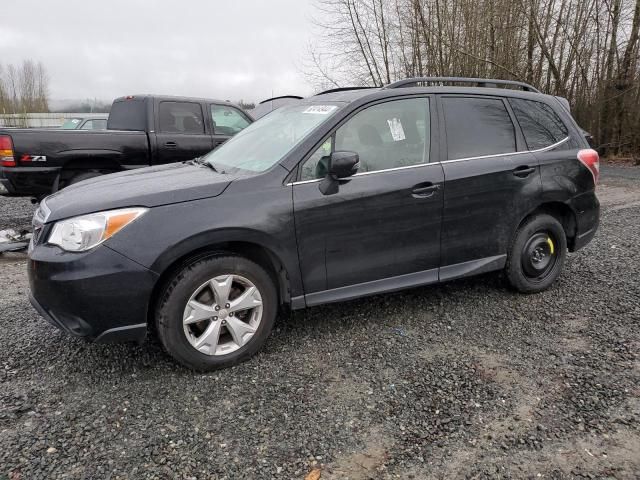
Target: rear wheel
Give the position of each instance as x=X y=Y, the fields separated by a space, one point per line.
x=537 y=254
x=217 y=312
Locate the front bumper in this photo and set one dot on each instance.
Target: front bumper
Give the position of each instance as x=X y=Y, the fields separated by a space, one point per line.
x=100 y=295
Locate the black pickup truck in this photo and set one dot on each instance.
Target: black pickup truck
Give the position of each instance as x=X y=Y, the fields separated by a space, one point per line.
x=142 y=130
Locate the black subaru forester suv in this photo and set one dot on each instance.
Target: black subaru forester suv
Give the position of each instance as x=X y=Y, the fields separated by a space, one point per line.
x=341 y=195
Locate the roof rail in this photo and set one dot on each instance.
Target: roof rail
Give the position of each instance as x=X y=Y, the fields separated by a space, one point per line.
x=342 y=89
x=480 y=82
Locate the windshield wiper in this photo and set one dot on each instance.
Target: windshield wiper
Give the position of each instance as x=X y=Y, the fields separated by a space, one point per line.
x=207 y=164
x=201 y=162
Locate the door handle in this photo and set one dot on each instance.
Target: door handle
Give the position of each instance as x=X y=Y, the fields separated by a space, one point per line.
x=523 y=171
x=424 y=190
x=170 y=144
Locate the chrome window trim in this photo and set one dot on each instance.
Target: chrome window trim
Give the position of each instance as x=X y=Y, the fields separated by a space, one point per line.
x=417 y=165
x=539 y=150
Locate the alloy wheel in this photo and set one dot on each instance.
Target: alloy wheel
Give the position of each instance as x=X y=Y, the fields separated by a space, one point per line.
x=222 y=315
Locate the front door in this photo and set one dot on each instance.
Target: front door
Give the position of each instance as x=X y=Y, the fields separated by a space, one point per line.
x=181 y=133
x=381 y=230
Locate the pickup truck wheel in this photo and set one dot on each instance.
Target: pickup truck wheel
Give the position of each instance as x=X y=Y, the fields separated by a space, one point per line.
x=216 y=312
x=537 y=254
x=83 y=176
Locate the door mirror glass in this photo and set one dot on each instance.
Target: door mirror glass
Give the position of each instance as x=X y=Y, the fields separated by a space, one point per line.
x=343 y=164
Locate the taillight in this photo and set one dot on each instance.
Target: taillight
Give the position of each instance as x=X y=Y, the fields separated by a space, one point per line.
x=590 y=159
x=6 y=152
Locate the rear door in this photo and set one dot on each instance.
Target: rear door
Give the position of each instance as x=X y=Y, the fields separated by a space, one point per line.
x=381 y=230
x=181 y=132
x=226 y=121
x=491 y=182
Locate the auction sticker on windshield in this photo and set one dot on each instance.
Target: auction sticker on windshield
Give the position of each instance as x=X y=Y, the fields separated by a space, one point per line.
x=320 y=109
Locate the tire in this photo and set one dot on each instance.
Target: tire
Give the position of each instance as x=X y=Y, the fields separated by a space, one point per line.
x=540 y=239
x=83 y=176
x=208 y=344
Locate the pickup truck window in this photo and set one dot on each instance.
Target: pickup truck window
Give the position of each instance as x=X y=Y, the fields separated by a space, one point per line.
x=94 y=124
x=129 y=114
x=227 y=120
x=180 y=117
x=71 y=123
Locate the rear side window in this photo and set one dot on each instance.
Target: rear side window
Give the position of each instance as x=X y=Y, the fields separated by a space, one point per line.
x=477 y=127
x=227 y=120
x=540 y=125
x=127 y=115
x=180 y=117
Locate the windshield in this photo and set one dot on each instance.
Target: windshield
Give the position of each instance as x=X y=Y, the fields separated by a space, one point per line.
x=71 y=123
x=265 y=142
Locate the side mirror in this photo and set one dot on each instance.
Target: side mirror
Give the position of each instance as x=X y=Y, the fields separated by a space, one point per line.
x=341 y=165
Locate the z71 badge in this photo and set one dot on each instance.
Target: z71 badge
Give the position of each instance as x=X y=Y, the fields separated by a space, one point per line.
x=33 y=158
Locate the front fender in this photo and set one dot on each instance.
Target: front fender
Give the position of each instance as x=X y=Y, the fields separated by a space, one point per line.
x=169 y=233
x=211 y=239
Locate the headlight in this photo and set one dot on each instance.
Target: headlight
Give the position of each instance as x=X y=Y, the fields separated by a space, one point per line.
x=79 y=234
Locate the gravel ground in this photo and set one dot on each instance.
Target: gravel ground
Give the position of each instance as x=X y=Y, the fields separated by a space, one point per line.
x=15 y=213
x=463 y=380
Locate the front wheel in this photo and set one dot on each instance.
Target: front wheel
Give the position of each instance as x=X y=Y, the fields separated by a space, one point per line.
x=537 y=254
x=217 y=312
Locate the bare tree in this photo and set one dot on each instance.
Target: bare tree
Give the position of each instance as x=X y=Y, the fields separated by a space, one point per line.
x=23 y=89
x=585 y=50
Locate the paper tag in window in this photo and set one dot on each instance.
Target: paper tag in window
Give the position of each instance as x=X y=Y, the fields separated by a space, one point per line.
x=395 y=127
x=320 y=109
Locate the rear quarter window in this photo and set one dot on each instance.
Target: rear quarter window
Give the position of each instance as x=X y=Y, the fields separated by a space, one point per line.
x=127 y=115
x=541 y=126
x=477 y=127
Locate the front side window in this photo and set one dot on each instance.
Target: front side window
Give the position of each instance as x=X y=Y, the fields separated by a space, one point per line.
x=540 y=125
x=388 y=135
x=268 y=140
x=227 y=120
x=477 y=127
x=180 y=117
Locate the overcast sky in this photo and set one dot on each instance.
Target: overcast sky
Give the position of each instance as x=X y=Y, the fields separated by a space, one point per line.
x=226 y=49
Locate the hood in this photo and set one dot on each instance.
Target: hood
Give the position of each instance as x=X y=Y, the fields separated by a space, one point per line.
x=143 y=187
